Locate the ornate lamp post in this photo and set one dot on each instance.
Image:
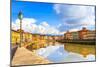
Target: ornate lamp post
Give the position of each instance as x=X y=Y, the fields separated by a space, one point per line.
x=20 y=16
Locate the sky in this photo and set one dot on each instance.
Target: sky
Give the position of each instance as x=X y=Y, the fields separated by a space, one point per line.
x=51 y=18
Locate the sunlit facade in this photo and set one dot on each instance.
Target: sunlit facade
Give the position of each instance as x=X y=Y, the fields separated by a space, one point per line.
x=15 y=37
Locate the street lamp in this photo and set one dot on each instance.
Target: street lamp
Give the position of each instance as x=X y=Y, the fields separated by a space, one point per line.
x=20 y=16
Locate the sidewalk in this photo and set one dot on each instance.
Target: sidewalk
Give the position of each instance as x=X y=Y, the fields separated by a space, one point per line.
x=25 y=57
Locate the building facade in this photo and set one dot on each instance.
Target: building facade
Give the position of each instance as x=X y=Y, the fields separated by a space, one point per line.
x=15 y=37
x=75 y=35
x=68 y=35
x=91 y=34
x=83 y=33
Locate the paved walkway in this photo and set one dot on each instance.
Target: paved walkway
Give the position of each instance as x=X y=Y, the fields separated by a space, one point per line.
x=25 y=57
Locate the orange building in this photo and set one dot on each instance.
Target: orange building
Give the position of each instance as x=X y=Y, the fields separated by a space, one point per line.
x=35 y=37
x=68 y=35
x=83 y=33
x=91 y=34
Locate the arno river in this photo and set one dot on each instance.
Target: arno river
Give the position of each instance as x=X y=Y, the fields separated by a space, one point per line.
x=67 y=52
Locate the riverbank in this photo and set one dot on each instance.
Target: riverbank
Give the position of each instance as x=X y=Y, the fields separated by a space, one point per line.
x=89 y=42
x=25 y=57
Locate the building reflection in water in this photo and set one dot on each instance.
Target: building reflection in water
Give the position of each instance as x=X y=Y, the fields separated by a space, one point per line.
x=80 y=48
x=66 y=52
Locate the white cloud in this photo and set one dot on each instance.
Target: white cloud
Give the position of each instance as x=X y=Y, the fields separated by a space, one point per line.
x=58 y=54
x=72 y=30
x=14 y=26
x=45 y=28
x=45 y=52
x=90 y=57
x=75 y=57
x=57 y=8
x=74 y=10
x=29 y=25
x=45 y=24
x=74 y=16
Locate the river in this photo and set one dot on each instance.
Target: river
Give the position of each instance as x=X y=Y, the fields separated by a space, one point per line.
x=67 y=52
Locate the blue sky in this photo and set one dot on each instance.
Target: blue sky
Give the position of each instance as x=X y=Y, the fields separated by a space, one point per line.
x=50 y=18
x=39 y=11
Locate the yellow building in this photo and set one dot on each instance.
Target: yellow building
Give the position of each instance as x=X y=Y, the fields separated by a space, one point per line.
x=35 y=37
x=15 y=37
x=27 y=37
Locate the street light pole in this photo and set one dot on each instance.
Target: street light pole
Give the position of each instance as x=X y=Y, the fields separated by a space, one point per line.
x=20 y=16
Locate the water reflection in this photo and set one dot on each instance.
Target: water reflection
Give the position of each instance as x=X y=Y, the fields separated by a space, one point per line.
x=66 y=52
x=80 y=49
